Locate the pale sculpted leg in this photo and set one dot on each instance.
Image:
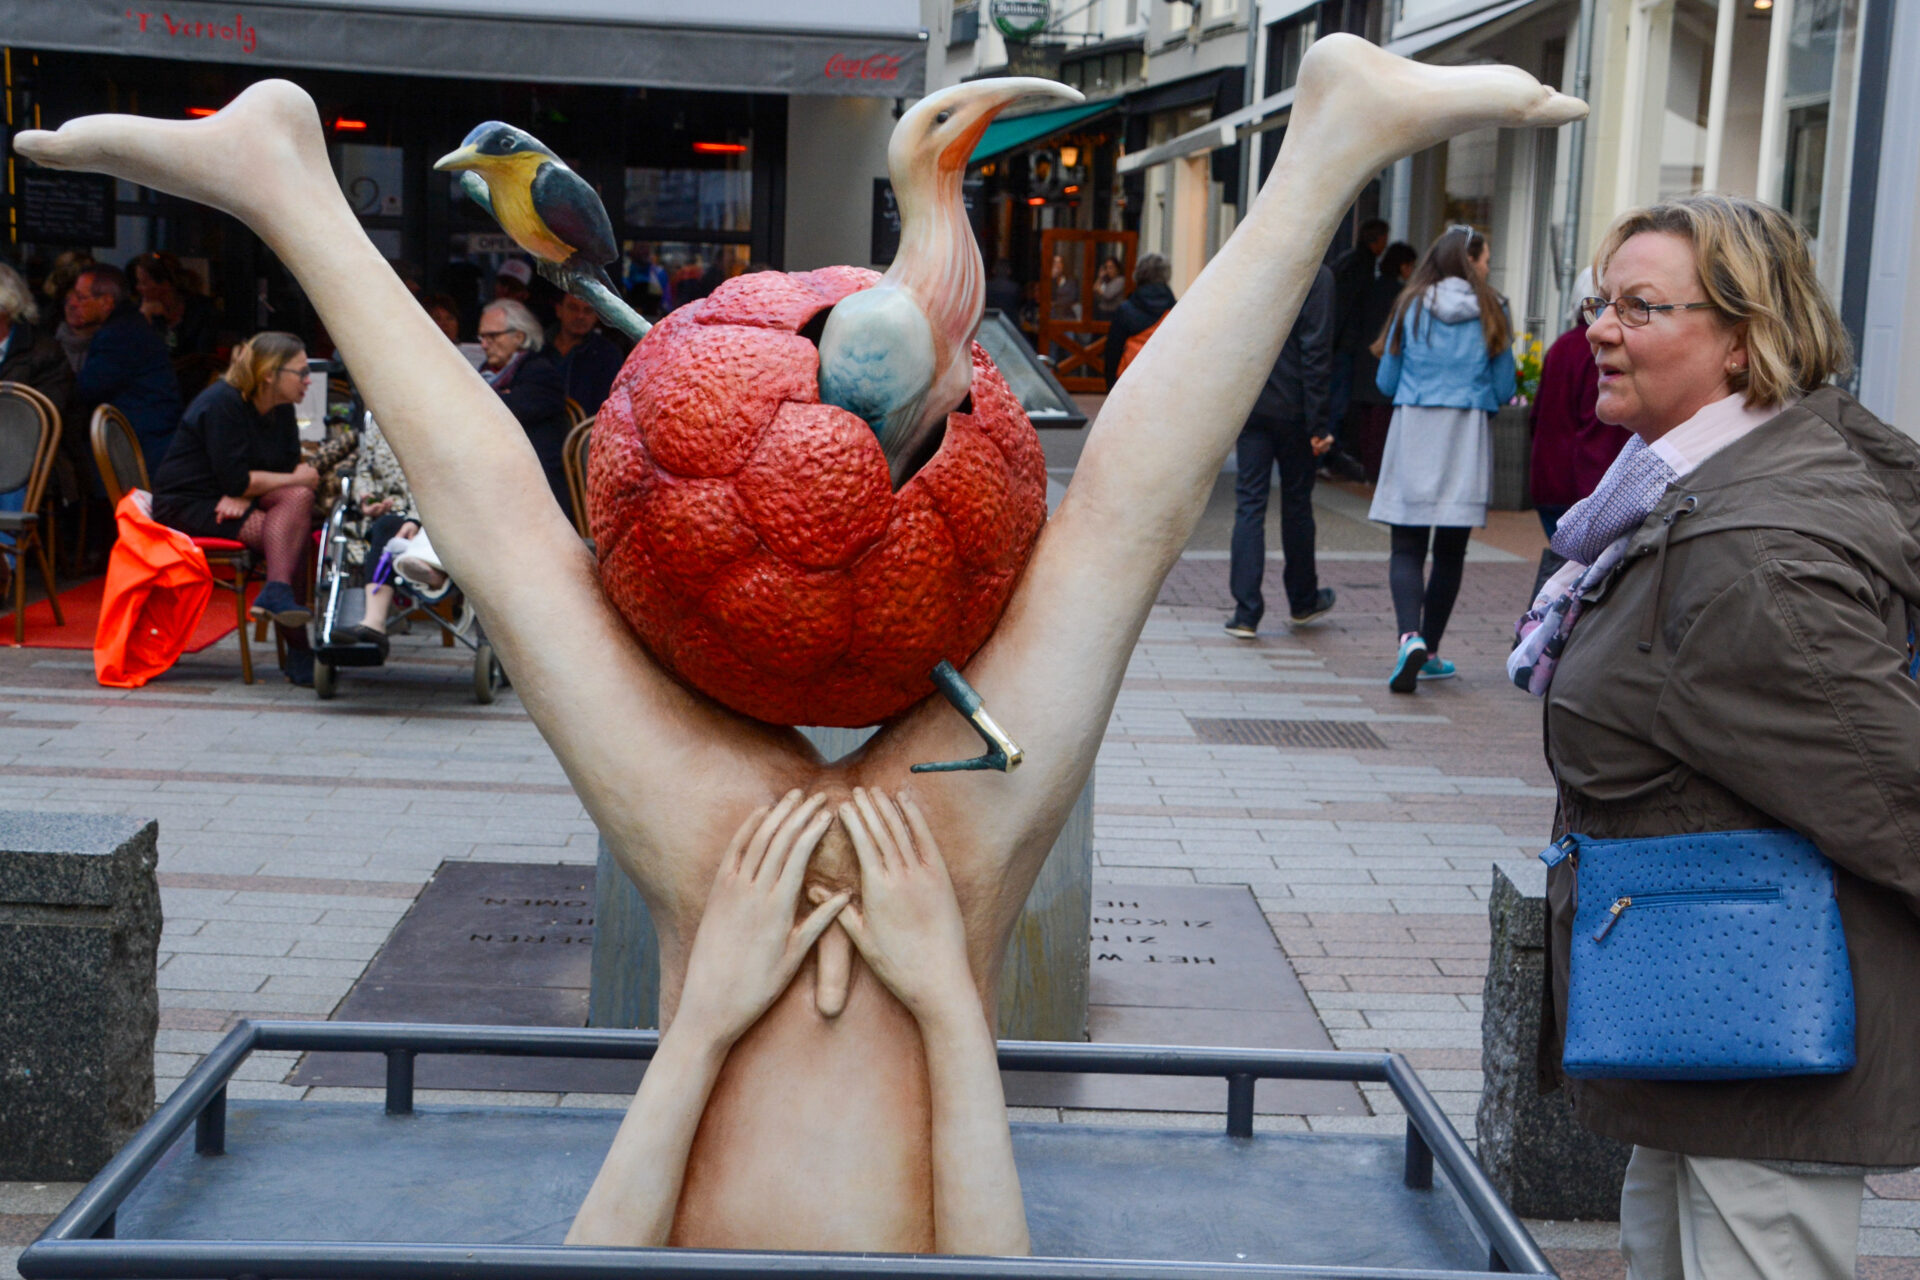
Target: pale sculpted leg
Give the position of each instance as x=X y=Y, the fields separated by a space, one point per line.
x=1053 y=667
x=660 y=769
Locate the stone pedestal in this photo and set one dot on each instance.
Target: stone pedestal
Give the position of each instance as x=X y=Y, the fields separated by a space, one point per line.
x=79 y=932
x=1532 y=1148
x=1043 y=987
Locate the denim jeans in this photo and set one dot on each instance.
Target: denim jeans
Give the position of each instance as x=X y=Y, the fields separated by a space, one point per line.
x=1263 y=444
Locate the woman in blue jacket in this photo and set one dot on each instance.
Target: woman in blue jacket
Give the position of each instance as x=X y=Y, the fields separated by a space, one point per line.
x=1447 y=362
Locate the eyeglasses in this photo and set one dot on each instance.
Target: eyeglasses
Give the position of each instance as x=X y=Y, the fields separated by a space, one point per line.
x=302 y=373
x=1633 y=312
x=490 y=335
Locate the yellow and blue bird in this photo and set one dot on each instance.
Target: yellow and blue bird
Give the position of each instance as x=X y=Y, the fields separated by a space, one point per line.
x=549 y=210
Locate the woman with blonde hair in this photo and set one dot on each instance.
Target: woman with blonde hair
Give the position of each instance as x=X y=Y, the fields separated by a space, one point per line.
x=234 y=471
x=1728 y=652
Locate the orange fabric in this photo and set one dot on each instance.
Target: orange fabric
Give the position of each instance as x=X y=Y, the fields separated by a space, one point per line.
x=158 y=585
x=1135 y=343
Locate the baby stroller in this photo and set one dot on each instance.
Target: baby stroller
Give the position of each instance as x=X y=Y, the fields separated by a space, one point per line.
x=339 y=604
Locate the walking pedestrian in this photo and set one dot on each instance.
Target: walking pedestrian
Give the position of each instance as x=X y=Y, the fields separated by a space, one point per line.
x=1287 y=428
x=1448 y=364
x=1372 y=411
x=1353 y=275
x=1571 y=447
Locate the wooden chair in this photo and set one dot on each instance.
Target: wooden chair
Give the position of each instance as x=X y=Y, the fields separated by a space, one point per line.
x=573 y=456
x=116 y=451
x=576 y=413
x=29 y=436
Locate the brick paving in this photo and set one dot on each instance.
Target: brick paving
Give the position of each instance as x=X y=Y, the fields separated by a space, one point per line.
x=294 y=834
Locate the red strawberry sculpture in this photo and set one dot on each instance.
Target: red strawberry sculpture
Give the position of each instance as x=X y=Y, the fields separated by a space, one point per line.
x=750 y=535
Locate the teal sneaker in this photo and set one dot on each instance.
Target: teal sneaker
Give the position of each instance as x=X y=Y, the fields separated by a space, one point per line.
x=1438 y=669
x=1406 y=667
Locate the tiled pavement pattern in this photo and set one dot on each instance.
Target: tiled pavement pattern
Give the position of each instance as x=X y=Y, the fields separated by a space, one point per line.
x=294 y=834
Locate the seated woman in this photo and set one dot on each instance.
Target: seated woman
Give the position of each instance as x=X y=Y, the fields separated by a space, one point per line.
x=234 y=471
x=748 y=949
x=531 y=383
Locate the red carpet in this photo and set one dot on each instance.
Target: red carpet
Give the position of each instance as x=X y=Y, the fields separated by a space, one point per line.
x=81 y=605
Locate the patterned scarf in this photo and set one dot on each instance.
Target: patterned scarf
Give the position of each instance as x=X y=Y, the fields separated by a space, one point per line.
x=1593 y=537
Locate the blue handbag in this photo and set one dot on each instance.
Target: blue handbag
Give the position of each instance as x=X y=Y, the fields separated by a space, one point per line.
x=1717 y=956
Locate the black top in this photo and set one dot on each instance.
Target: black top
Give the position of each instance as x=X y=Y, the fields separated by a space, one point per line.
x=590 y=368
x=1145 y=308
x=222 y=438
x=1353 y=272
x=1297 y=387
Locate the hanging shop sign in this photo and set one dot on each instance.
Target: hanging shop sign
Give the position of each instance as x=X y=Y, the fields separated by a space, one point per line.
x=1021 y=19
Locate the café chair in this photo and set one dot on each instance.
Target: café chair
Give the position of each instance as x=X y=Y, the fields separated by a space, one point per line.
x=573 y=456
x=29 y=437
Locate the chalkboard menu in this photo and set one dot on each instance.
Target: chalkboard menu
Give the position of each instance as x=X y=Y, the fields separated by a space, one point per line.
x=65 y=208
x=886 y=217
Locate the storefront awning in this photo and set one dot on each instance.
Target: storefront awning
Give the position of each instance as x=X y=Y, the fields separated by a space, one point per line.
x=1269 y=113
x=1004 y=135
x=873 y=48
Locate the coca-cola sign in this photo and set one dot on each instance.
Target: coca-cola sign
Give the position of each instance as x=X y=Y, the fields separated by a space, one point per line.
x=881 y=66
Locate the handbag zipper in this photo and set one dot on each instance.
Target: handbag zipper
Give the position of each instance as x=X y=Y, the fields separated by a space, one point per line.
x=1619 y=908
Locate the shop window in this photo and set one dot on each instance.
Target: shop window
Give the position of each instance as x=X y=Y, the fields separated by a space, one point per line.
x=1473 y=161
x=1286 y=45
x=966 y=24
x=1821 y=80
x=706 y=199
x=372 y=179
x=1689 y=88
x=663 y=275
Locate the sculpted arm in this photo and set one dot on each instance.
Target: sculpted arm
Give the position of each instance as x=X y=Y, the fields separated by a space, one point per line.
x=745 y=953
x=909 y=931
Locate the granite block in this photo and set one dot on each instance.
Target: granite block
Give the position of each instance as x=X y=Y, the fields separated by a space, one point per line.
x=79 y=1009
x=1532 y=1148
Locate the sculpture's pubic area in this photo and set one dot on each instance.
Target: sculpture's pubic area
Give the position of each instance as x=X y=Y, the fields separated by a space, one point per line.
x=751 y=535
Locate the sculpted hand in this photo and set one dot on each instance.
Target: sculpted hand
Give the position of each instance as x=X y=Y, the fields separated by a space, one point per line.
x=907 y=925
x=748 y=947
x=230 y=508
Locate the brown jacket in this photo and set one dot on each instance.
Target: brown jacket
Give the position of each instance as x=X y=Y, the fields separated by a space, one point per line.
x=1751 y=673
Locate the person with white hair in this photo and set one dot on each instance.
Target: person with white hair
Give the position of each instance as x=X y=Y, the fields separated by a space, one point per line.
x=523 y=372
x=28 y=353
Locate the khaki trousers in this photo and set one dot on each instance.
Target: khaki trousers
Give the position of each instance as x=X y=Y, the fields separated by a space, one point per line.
x=1706 y=1218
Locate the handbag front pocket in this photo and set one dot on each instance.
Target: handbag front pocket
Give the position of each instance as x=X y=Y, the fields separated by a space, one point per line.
x=1681 y=898
x=1711 y=956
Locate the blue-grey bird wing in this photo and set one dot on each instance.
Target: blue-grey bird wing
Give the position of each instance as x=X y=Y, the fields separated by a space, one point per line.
x=877 y=358
x=573 y=212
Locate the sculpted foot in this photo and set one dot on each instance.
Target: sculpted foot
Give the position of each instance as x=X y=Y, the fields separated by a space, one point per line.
x=1392 y=107
x=263 y=152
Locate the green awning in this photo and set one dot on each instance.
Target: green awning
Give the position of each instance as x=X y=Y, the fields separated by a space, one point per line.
x=1005 y=135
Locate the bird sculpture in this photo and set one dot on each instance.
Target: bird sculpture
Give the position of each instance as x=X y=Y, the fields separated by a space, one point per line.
x=896 y=355
x=549 y=210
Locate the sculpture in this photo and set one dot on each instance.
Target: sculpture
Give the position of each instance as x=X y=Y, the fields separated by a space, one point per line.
x=549 y=210
x=896 y=355
x=832 y=1079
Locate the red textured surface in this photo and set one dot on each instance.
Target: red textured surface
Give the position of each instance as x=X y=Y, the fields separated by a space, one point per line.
x=750 y=536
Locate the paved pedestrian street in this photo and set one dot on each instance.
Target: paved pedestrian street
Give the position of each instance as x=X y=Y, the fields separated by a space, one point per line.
x=295 y=834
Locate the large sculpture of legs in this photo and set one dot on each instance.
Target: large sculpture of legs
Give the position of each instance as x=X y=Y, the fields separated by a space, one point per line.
x=669 y=776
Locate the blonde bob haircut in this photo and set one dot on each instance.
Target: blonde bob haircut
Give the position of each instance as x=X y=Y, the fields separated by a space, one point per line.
x=259 y=358
x=1754 y=268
